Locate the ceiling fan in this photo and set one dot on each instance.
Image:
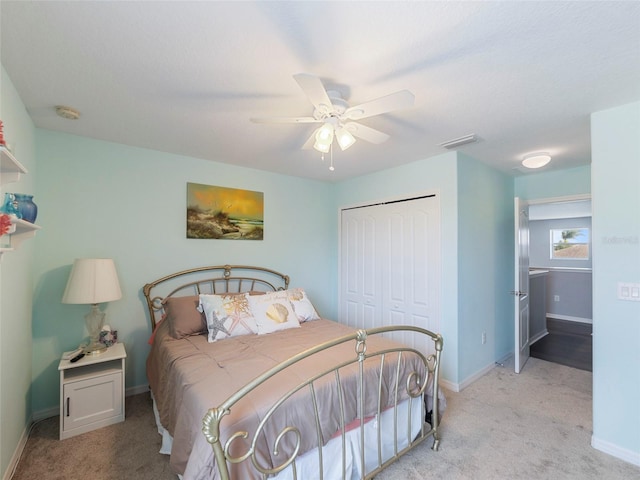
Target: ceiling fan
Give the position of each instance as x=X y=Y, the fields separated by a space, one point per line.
x=338 y=119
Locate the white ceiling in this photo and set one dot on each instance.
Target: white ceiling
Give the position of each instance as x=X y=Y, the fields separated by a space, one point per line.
x=185 y=77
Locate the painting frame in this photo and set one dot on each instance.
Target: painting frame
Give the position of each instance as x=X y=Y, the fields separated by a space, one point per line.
x=224 y=213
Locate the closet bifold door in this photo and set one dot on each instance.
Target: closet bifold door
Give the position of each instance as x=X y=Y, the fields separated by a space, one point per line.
x=390 y=270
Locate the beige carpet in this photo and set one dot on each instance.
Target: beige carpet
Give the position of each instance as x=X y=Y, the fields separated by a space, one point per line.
x=536 y=425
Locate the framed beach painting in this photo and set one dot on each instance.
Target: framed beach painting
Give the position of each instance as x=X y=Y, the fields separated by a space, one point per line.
x=224 y=213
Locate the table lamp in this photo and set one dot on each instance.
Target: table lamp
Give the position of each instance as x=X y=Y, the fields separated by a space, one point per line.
x=93 y=281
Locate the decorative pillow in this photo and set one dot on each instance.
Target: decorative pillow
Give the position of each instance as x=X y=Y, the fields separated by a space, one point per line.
x=183 y=317
x=273 y=311
x=227 y=315
x=302 y=305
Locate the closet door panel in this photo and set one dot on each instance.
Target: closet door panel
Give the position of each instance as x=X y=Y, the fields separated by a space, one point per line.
x=405 y=295
x=360 y=303
x=396 y=255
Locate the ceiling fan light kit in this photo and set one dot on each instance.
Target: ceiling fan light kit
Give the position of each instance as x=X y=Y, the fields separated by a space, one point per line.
x=536 y=160
x=344 y=138
x=337 y=118
x=324 y=137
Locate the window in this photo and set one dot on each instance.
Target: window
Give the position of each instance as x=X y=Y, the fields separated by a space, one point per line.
x=570 y=244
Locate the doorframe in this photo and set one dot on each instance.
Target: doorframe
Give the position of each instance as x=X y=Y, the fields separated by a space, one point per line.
x=548 y=200
x=563 y=199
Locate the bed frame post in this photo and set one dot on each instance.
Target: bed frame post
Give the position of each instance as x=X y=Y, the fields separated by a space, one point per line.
x=211 y=430
x=435 y=415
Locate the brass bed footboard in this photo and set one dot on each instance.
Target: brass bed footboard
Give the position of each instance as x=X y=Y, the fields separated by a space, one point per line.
x=232 y=448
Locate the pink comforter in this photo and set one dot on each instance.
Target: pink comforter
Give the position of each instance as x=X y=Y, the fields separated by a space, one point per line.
x=189 y=376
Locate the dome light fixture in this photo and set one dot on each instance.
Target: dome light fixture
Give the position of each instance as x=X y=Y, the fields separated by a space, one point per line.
x=536 y=160
x=69 y=113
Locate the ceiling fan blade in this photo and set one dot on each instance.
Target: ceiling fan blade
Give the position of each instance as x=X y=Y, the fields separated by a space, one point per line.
x=394 y=101
x=366 y=133
x=314 y=90
x=285 y=120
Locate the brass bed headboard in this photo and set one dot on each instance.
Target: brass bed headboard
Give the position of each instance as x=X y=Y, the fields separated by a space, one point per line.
x=217 y=279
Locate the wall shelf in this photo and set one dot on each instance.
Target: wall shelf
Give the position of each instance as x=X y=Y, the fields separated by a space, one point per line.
x=23 y=231
x=10 y=171
x=10 y=168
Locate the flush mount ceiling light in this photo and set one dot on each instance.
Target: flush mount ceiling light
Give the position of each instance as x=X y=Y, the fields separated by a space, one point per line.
x=536 y=160
x=67 y=112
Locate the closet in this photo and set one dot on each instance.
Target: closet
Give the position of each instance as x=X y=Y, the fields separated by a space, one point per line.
x=390 y=265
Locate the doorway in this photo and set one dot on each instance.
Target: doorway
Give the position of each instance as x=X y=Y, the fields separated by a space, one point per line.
x=560 y=320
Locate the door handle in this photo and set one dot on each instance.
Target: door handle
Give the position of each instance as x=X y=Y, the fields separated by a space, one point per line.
x=68 y=404
x=518 y=293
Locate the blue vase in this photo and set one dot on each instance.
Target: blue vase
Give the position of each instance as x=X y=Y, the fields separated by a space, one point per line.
x=27 y=209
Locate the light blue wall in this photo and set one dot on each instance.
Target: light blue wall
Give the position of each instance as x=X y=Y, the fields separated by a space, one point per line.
x=477 y=215
x=615 y=139
x=432 y=175
x=486 y=263
x=16 y=287
x=99 y=199
x=555 y=183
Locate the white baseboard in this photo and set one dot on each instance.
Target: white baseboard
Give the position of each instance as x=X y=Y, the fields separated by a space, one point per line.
x=615 y=451
x=570 y=318
x=458 y=387
x=13 y=463
x=449 y=385
x=136 y=390
x=45 y=413
x=537 y=337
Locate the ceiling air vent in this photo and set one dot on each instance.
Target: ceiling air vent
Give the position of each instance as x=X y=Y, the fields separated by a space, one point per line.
x=456 y=142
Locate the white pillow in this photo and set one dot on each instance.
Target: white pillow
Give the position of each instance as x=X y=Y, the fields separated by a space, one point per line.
x=273 y=312
x=302 y=305
x=227 y=316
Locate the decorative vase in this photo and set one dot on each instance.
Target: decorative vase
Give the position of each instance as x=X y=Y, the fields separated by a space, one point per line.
x=27 y=209
x=10 y=205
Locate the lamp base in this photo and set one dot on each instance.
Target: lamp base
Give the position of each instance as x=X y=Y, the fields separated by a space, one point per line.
x=95 y=348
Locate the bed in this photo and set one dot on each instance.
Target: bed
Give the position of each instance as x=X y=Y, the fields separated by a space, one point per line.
x=245 y=390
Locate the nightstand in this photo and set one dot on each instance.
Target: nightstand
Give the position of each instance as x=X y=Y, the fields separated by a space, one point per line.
x=92 y=392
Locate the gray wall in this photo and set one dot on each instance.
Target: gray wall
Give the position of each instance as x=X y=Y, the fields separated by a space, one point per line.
x=574 y=293
x=572 y=288
x=537 y=305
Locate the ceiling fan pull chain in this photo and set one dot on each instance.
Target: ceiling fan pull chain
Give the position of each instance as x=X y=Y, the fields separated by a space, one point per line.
x=331 y=154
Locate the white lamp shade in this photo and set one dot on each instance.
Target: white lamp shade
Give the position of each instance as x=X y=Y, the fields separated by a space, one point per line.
x=92 y=281
x=324 y=137
x=344 y=138
x=322 y=147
